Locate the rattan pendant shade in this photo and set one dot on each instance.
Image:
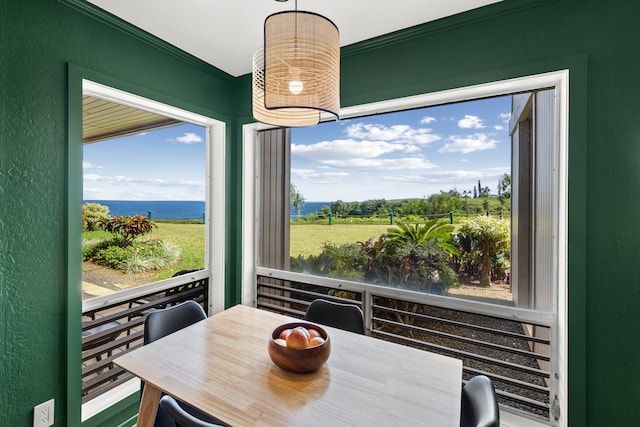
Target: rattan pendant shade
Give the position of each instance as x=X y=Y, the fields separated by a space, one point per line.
x=289 y=117
x=299 y=75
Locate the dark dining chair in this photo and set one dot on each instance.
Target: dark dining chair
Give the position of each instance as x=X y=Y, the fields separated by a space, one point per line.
x=348 y=317
x=160 y=323
x=479 y=403
x=180 y=417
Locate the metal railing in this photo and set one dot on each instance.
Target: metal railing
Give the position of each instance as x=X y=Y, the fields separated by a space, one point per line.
x=510 y=345
x=111 y=328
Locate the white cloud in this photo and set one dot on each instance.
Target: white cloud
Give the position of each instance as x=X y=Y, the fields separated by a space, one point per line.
x=352 y=154
x=505 y=117
x=189 y=138
x=398 y=133
x=471 y=122
x=319 y=177
x=325 y=151
x=92 y=177
x=89 y=165
x=468 y=144
x=427 y=119
x=498 y=127
x=407 y=163
x=120 y=180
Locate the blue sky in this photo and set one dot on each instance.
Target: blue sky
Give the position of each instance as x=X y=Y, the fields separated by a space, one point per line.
x=389 y=156
x=404 y=155
x=167 y=164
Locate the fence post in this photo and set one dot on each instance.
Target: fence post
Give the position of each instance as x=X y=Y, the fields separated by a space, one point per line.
x=487 y=213
x=330 y=218
x=149 y=216
x=391 y=218
x=203 y=217
x=501 y=215
x=451 y=217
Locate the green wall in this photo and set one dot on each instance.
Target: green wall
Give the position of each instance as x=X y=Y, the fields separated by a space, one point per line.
x=596 y=40
x=599 y=43
x=46 y=48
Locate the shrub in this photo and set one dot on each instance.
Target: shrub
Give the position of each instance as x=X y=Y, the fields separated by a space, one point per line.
x=483 y=238
x=127 y=228
x=93 y=214
x=138 y=257
x=417 y=266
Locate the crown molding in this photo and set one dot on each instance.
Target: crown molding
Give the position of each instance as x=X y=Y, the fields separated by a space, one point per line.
x=113 y=21
x=505 y=7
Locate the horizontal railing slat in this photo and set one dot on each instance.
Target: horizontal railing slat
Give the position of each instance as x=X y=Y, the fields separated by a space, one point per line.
x=467 y=325
x=513 y=358
x=465 y=340
x=99 y=376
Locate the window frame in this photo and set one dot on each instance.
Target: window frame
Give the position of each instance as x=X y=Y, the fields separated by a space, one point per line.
x=559 y=81
x=82 y=81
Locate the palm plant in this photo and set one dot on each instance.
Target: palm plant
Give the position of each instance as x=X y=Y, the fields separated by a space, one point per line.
x=296 y=199
x=437 y=230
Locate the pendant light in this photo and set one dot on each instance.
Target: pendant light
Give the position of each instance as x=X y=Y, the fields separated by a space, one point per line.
x=296 y=75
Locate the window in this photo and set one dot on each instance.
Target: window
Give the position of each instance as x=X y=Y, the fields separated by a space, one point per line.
x=158 y=174
x=516 y=176
x=163 y=163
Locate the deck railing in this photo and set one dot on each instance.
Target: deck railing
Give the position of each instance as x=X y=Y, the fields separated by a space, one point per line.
x=113 y=328
x=511 y=346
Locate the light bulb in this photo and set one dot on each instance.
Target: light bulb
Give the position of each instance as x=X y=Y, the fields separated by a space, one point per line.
x=295 y=87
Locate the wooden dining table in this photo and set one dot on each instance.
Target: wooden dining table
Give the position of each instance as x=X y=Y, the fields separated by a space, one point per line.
x=222 y=367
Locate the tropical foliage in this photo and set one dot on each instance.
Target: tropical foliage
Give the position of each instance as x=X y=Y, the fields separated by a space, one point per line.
x=138 y=257
x=428 y=256
x=438 y=230
x=93 y=214
x=124 y=251
x=296 y=199
x=127 y=228
x=484 y=239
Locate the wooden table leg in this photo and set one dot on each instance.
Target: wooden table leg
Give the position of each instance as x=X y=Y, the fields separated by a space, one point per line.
x=148 y=406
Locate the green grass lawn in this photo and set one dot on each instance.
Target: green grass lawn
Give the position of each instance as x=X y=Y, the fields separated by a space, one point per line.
x=188 y=237
x=307 y=239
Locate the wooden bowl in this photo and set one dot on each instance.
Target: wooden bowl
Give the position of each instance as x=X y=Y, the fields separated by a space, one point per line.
x=299 y=360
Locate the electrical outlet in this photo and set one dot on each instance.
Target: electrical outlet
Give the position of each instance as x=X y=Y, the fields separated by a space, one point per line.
x=43 y=414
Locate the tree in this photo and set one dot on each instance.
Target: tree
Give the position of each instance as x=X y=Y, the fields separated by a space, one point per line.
x=338 y=207
x=504 y=186
x=488 y=236
x=443 y=203
x=296 y=199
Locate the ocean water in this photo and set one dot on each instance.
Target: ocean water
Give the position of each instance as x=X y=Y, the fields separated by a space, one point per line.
x=179 y=209
x=307 y=208
x=165 y=209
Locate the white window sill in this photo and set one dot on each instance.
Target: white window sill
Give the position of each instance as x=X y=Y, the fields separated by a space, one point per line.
x=104 y=401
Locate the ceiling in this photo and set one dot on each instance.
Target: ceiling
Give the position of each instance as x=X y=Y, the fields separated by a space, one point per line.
x=102 y=120
x=227 y=33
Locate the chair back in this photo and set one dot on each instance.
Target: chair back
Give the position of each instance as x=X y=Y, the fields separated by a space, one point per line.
x=479 y=404
x=181 y=417
x=161 y=323
x=348 y=317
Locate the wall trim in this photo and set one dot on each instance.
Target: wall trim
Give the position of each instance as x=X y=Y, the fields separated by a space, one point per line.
x=113 y=21
x=80 y=79
x=449 y=23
